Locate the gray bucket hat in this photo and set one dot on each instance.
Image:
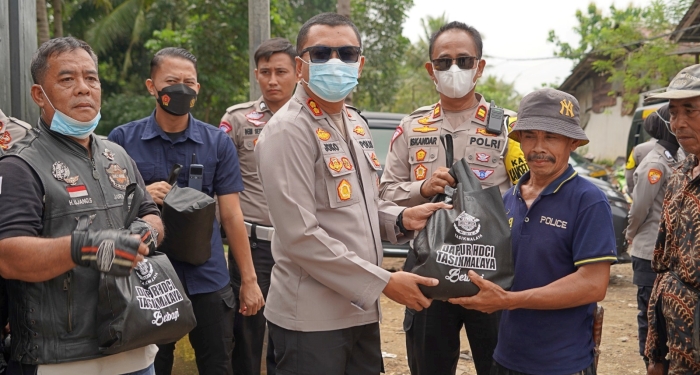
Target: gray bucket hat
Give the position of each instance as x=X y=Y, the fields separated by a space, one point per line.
x=552 y=111
x=686 y=84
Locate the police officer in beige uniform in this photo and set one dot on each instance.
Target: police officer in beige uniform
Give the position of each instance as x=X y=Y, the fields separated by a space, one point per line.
x=415 y=172
x=274 y=72
x=650 y=180
x=318 y=167
x=11 y=131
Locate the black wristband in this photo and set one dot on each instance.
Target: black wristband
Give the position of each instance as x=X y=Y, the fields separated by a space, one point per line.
x=399 y=223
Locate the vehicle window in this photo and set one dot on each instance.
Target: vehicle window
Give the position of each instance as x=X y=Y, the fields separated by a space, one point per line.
x=381 y=138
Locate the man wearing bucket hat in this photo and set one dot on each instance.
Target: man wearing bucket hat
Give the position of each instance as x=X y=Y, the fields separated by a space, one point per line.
x=561 y=227
x=673 y=338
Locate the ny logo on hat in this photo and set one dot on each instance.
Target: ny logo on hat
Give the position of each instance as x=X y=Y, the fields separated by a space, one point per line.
x=567 y=108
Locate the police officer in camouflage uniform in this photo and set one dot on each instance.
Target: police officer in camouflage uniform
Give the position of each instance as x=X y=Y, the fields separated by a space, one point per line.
x=650 y=179
x=415 y=172
x=274 y=72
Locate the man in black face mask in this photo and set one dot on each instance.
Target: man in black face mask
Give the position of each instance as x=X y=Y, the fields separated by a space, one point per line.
x=171 y=135
x=650 y=180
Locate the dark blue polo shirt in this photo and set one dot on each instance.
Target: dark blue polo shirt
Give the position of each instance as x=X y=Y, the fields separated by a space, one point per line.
x=155 y=154
x=569 y=225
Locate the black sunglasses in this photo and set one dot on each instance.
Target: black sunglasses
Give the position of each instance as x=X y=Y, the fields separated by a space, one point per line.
x=321 y=54
x=464 y=62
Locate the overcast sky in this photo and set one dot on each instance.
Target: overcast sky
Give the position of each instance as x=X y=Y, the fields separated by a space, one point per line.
x=515 y=29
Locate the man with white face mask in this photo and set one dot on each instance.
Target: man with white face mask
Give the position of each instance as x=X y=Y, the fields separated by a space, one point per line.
x=318 y=169
x=416 y=171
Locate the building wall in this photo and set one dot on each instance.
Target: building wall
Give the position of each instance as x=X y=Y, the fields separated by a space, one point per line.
x=608 y=132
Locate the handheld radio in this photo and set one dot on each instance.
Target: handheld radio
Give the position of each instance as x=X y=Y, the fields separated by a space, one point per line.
x=196 y=174
x=495 y=124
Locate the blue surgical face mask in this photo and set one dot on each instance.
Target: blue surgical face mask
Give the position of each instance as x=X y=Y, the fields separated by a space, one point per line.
x=333 y=80
x=66 y=125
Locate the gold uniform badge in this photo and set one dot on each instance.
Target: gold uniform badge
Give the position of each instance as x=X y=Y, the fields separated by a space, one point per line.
x=344 y=190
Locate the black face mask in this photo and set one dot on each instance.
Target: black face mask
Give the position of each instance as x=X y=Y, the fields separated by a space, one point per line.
x=177 y=99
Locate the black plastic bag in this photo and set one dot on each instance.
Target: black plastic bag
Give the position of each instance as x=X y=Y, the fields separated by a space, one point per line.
x=473 y=235
x=188 y=217
x=147 y=307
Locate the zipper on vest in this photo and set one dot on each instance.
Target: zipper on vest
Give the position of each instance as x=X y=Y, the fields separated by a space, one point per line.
x=95 y=175
x=67 y=288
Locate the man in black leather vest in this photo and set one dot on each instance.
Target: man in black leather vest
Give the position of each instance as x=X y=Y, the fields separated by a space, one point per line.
x=60 y=218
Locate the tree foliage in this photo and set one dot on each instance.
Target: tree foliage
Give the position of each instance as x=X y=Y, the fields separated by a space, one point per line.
x=416 y=89
x=126 y=33
x=626 y=46
x=376 y=20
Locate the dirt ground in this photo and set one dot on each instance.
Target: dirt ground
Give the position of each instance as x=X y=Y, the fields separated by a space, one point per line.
x=619 y=347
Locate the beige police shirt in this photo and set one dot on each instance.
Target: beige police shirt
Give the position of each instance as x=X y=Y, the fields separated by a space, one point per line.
x=11 y=131
x=244 y=123
x=650 y=181
x=416 y=151
x=639 y=152
x=323 y=194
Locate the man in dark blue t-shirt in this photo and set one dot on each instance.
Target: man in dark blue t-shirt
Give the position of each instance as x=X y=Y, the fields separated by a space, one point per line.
x=563 y=244
x=171 y=135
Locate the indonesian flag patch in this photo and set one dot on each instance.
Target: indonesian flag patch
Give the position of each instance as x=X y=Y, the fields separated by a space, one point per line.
x=77 y=191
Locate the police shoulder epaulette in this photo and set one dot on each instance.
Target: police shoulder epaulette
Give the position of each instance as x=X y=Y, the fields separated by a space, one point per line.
x=240 y=106
x=422 y=110
x=20 y=123
x=354 y=109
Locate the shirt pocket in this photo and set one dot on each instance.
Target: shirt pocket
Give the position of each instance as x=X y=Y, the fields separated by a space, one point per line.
x=147 y=171
x=208 y=178
x=423 y=161
x=341 y=180
x=250 y=142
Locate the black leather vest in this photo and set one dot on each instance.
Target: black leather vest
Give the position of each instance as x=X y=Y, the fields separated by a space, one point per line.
x=54 y=321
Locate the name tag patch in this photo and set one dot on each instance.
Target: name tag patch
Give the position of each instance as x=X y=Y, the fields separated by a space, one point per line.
x=423 y=141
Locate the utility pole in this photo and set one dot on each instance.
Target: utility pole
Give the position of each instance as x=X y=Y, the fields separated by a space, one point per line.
x=258 y=32
x=18 y=41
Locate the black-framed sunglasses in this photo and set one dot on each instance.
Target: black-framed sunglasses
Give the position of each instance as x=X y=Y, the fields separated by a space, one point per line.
x=321 y=54
x=464 y=62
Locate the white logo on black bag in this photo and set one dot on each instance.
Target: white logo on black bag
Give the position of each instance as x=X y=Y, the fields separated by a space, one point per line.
x=468 y=227
x=144 y=270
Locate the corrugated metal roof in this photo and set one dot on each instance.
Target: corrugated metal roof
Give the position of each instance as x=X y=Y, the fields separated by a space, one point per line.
x=691 y=18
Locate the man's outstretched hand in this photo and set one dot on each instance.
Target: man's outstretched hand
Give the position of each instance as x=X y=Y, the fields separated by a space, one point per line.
x=415 y=218
x=403 y=288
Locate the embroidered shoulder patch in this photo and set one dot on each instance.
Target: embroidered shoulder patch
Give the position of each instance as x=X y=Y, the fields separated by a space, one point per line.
x=654 y=176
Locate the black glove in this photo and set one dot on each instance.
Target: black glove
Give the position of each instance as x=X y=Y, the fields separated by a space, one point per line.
x=110 y=251
x=149 y=234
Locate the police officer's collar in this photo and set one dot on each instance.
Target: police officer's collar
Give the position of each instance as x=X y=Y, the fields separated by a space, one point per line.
x=554 y=186
x=261 y=106
x=435 y=114
x=154 y=130
x=309 y=104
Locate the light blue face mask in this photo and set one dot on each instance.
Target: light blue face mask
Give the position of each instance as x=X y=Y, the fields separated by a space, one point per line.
x=66 y=125
x=333 y=80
